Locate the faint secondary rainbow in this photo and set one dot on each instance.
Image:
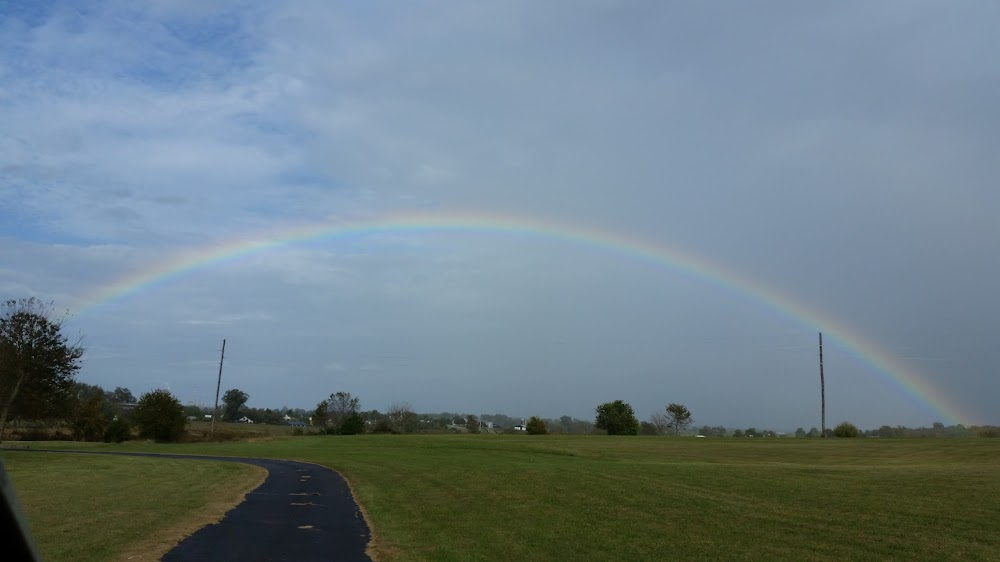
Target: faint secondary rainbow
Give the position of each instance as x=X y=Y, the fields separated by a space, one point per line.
x=673 y=258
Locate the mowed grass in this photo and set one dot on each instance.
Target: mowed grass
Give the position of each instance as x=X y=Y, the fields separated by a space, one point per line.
x=478 y=497
x=99 y=507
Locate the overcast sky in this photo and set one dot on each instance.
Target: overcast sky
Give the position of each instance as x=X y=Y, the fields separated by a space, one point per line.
x=843 y=155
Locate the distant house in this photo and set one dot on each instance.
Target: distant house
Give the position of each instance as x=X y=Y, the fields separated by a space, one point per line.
x=296 y=423
x=244 y=419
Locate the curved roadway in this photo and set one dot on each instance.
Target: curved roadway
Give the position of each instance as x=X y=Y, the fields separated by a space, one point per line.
x=302 y=512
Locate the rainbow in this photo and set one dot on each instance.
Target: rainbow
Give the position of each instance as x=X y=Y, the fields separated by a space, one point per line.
x=415 y=223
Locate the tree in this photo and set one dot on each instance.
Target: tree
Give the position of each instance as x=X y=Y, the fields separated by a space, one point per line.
x=159 y=416
x=647 y=428
x=90 y=420
x=845 y=429
x=193 y=411
x=661 y=422
x=536 y=426
x=813 y=432
x=679 y=417
x=800 y=432
x=118 y=430
x=401 y=418
x=738 y=433
x=321 y=413
x=334 y=411
x=232 y=402
x=90 y=411
x=709 y=431
x=353 y=424
x=568 y=424
x=617 y=418
x=37 y=362
x=122 y=396
x=472 y=424
x=382 y=425
x=263 y=415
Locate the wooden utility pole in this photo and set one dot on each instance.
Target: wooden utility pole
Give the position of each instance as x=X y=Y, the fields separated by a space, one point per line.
x=822 y=389
x=218 y=384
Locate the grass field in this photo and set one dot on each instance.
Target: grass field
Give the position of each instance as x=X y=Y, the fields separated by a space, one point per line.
x=96 y=507
x=241 y=430
x=467 y=497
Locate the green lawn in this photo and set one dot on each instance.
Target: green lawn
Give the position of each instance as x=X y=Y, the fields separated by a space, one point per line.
x=96 y=507
x=478 y=497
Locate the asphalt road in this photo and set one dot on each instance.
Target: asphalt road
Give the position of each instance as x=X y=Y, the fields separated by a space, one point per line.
x=302 y=512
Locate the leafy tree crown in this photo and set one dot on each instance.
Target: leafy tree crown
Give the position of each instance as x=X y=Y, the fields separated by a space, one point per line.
x=617 y=418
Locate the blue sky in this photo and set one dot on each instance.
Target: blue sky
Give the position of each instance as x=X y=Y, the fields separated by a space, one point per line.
x=842 y=155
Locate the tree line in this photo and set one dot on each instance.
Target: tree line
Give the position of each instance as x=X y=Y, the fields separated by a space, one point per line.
x=38 y=363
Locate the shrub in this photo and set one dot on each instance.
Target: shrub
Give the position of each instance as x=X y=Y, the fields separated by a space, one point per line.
x=472 y=424
x=33 y=434
x=297 y=431
x=845 y=429
x=118 y=431
x=159 y=416
x=353 y=424
x=90 y=422
x=536 y=426
x=383 y=426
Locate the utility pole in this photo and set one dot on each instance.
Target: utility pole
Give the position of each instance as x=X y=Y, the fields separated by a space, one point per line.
x=822 y=389
x=218 y=384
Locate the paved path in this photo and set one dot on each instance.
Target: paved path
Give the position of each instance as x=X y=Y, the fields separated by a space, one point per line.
x=302 y=512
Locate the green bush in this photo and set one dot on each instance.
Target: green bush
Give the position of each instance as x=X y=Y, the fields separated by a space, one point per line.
x=159 y=416
x=90 y=421
x=353 y=424
x=845 y=429
x=118 y=431
x=536 y=426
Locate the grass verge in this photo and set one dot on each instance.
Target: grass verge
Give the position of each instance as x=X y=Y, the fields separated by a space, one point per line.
x=95 y=507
